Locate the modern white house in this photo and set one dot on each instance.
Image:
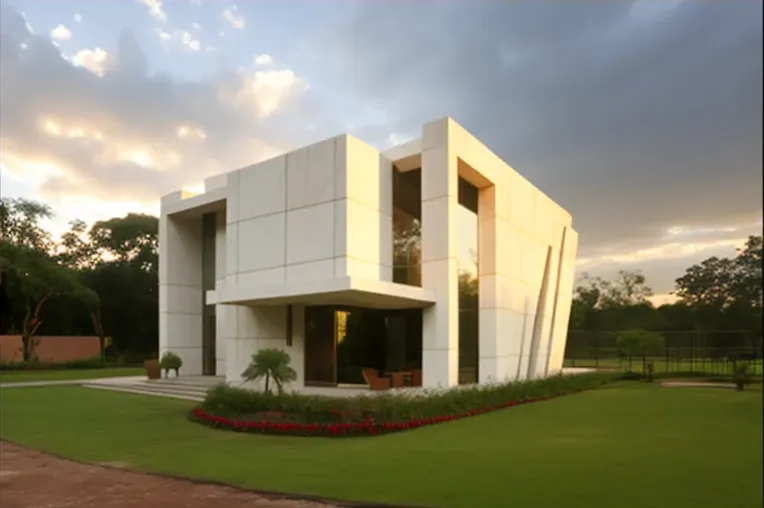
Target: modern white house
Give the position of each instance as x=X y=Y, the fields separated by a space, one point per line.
x=431 y=263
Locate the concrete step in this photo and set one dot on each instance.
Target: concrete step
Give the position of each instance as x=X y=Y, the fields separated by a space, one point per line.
x=141 y=391
x=147 y=385
x=198 y=381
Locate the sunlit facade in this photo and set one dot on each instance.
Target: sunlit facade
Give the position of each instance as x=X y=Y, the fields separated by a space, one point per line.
x=433 y=259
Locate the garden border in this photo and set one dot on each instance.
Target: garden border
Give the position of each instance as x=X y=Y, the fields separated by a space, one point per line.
x=367 y=428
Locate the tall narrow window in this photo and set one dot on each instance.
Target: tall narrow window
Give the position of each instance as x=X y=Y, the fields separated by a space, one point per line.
x=209 y=227
x=407 y=231
x=209 y=230
x=467 y=231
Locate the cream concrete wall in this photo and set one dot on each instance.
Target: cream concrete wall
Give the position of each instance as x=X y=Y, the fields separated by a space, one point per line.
x=325 y=211
x=249 y=329
x=525 y=266
x=363 y=212
x=180 y=291
x=320 y=209
x=320 y=212
x=440 y=323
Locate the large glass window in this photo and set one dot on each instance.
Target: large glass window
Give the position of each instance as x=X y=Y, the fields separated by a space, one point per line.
x=467 y=233
x=341 y=341
x=407 y=232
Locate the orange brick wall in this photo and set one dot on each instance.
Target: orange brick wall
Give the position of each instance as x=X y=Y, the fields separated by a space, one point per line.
x=50 y=349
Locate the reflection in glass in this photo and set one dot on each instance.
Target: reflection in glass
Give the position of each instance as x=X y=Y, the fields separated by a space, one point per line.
x=407 y=233
x=208 y=250
x=340 y=341
x=467 y=224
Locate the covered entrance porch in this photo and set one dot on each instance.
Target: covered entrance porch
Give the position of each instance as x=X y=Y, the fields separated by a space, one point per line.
x=353 y=346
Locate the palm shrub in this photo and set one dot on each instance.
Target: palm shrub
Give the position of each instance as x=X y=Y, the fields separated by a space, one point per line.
x=170 y=361
x=641 y=344
x=270 y=364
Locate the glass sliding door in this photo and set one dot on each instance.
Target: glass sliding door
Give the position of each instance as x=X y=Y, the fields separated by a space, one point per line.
x=341 y=341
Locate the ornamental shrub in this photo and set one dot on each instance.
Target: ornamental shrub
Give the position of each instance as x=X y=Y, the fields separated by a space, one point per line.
x=87 y=363
x=271 y=364
x=393 y=406
x=170 y=361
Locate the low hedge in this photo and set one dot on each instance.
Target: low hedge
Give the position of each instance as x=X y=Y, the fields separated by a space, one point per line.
x=87 y=363
x=295 y=414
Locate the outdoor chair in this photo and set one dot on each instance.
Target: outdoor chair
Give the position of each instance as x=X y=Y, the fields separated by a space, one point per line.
x=416 y=377
x=374 y=380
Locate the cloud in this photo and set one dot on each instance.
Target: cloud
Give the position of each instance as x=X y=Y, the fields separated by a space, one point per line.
x=196 y=26
x=94 y=60
x=263 y=60
x=671 y=254
x=114 y=133
x=155 y=9
x=181 y=38
x=77 y=18
x=60 y=33
x=637 y=117
x=231 y=14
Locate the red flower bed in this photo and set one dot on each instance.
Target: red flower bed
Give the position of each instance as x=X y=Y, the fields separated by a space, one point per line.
x=368 y=427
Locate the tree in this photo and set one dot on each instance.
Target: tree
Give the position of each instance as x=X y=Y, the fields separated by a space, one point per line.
x=20 y=223
x=131 y=239
x=747 y=285
x=629 y=288
x=31 y=272
x=641 y=344
x=270 y=364
x=117 y=258
x=708 y=284
x=726 y=292
x=599 y=304
x=36 y=277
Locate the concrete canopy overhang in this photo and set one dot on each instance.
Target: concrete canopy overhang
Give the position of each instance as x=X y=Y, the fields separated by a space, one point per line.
x=180 y=205
x=350 y=291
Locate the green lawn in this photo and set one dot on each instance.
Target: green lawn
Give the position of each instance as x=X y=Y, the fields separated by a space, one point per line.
x=626 y=445
x=15 y=376
x=661 y=365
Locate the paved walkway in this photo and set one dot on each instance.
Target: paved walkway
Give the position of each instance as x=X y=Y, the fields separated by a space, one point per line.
x=697 y=384
x=67 y=483
x=62 y=382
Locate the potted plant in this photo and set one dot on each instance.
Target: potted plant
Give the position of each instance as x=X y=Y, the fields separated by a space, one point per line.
x=153 y=370
x=170 y=362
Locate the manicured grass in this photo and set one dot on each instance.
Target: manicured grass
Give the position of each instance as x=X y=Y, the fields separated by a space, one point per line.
x=661 y=365
x=17 y=376
x=630 y=445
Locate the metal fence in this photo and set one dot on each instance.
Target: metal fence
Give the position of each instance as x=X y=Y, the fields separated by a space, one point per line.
x=709 y=352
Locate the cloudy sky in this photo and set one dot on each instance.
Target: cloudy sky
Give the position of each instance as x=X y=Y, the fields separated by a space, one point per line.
x=643 y=118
